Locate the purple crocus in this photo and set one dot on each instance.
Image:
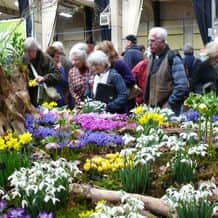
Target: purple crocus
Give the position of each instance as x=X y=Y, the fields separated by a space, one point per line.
x=17 y=213
x=45 y=215
x=29 y=123
x=3 y=205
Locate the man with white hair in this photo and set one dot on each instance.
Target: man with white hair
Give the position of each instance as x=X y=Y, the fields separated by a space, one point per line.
x=64 y=60
x=38 y=61
x=167 y=83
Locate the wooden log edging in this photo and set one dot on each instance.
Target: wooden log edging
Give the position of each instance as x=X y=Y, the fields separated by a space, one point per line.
x=154 y=205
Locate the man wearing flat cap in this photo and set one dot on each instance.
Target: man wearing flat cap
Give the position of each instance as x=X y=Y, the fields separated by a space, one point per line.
x=132 y=55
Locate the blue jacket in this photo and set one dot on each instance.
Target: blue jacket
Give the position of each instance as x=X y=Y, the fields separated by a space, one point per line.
x=180 y=85
x=133 y=56
x=119 y=103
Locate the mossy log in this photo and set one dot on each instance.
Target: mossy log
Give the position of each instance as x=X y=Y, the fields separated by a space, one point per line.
x=154 y=205
x=14 y=100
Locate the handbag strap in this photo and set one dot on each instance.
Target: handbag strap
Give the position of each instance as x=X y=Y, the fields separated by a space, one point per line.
x=35 y=74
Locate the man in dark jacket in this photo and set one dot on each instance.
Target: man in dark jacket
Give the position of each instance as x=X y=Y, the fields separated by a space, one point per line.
x=132 y=55
x=43 y=65
x=191 y=64
x=167 y=83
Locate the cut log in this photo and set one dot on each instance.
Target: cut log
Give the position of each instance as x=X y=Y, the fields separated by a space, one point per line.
x=154 y=205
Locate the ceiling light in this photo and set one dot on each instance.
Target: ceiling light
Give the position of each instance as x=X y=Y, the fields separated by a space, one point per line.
x=63 y=14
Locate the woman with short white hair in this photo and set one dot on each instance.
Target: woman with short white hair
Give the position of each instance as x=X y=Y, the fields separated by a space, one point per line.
x=104 y=74
x=79 y=75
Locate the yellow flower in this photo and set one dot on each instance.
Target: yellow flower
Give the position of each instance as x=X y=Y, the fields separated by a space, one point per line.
x=86 y=166
x=25 y=138
x=86 y=214
x=32 y=83
x=151 y=118
x=138 y=110
x=202 y=107
x=50 y=105
x=2 y=144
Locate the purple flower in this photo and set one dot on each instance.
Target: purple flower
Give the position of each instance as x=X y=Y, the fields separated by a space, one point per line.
x=191 y=116
x=43 y=132
x=101 y=122
x=3 y=205
x=16 y=213
x=45 y=215
x=49 y=118
x=98 y=138
x=29 y=123
x=215 y=118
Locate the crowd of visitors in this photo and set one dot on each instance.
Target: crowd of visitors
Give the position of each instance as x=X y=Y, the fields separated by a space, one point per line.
x=156 y=76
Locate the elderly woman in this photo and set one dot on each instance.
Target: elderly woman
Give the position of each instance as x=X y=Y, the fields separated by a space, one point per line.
x=205 y=79
x=79 y=76
x=43 y=65
x=100 y=64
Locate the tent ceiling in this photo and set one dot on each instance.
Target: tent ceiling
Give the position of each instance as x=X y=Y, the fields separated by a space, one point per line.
x=8 y=9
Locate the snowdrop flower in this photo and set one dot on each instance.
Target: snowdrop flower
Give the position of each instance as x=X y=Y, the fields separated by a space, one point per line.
x=127 y=152
x=200 y=149
x=128 y=139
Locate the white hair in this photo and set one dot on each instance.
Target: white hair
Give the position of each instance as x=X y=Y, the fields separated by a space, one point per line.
x=188 y=48
x=31 y=43
x=212 y=49
x=80 y=46
x=81 y=54
x=159 y=32
x=98 y=57
x=58 y=45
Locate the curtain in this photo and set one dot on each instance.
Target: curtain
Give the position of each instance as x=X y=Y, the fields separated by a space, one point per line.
x=105 y=30
x=89 y=20
x=156 y=10
x=49 y=12
x=24 y=12
x=131 y=18
x=203 y=14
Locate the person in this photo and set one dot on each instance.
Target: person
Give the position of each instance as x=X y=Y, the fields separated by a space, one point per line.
x=205 y=79
x=166 y=84
x=90 y=45
x=55 y=55
x=100 y=64
x=79 y=76
x=64 y=60
x=43 y=65
x=132 y=55
x=142 y=49
x=140 y=73
x=117 y=62
x=121 y=67
x=191 y=64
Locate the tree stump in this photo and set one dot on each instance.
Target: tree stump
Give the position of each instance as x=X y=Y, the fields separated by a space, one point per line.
x=14 y=101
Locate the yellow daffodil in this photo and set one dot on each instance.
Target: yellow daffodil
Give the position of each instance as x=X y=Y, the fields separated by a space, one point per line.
x=138 y=110
x=50 y=105
x=32 y=83
x=25 y=138
x=2 y=144
x=151 y=118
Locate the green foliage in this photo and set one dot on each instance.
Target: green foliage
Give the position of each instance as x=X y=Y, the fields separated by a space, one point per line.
x=9 y=162
x=136 y=179
x=195 y=209
x=11 y=52
x=182 y=169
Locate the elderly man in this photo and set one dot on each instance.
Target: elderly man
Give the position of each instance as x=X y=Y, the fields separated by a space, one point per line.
x=167 y=83
x=43 y=65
